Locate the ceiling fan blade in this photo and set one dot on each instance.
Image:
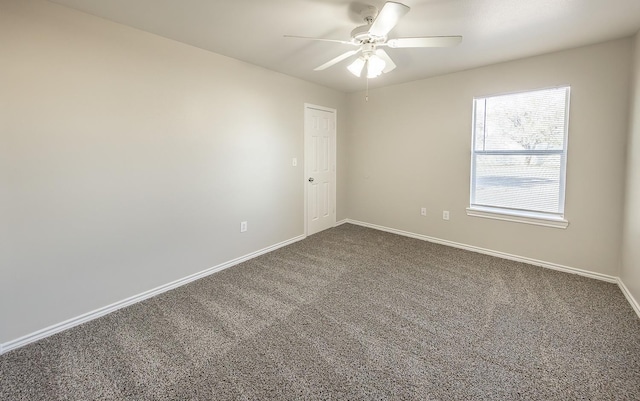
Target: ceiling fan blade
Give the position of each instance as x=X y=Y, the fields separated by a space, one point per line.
x=336 y=60
x=321 y=39
x=388 y=18
x=389 y=64
x=425 y=41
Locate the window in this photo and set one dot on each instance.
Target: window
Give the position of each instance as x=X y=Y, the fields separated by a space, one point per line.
x=519 y=156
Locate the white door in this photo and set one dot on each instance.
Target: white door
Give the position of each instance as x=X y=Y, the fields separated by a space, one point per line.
x=320 y=167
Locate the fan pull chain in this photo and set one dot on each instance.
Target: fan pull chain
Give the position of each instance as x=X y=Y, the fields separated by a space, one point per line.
x=366 y=96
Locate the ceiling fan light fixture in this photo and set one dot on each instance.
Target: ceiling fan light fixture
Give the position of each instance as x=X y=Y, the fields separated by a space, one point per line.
x=367 y=38
x=356 y=67
x=375 y=66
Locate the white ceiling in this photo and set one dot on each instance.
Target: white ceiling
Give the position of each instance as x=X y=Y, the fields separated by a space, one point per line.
x=493 y=31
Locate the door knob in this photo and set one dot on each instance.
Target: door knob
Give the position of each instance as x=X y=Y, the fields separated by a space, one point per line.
x=311 y=179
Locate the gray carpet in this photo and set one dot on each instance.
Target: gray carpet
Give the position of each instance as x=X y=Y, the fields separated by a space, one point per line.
x=350 y=313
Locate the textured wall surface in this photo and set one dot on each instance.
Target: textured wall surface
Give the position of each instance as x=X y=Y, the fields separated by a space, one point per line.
x=631 y=243
x=129 y=160
x=410 y=148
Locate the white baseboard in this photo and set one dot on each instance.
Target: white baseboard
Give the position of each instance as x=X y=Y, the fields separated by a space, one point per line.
x=598 y=276
x=56 y=328
x=630 y=298
x=503 y=255
x=67 y=324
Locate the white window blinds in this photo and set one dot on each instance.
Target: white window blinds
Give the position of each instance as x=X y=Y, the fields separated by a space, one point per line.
x=519 y=153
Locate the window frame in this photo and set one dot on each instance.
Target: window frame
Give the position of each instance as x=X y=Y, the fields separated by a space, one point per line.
x=548 y=219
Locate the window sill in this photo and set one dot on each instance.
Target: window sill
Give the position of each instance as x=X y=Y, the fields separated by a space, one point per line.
x=526 y=218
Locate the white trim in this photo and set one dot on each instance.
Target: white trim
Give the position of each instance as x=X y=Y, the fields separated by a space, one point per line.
x=630 y=298
x=503 y=255
x=333 y=149
x=527 y=217
x=554 y=266
x=56 y=328
x=341 y=222
x=517 y=92
x=67 y=324
x=517 y=218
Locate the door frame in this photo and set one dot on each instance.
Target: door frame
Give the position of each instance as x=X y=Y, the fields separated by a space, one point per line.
x=333 y=155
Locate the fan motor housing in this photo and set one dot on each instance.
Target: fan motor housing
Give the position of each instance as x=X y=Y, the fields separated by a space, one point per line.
x=361 y=35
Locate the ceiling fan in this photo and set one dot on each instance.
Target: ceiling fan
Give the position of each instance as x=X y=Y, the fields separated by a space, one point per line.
x=371 y=37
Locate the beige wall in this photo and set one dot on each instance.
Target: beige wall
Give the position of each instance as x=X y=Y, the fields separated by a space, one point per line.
x=410 y=148
x=128 y=160
x=631 y=241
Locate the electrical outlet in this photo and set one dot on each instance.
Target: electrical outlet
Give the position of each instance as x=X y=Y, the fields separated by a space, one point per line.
x=445 y=215
x=423 y=211
x=243 y=226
